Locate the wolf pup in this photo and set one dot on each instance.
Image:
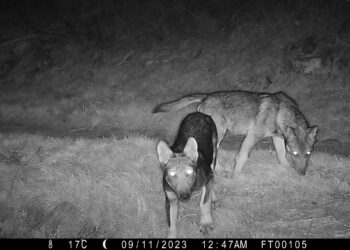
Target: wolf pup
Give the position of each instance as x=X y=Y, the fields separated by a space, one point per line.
x=256 y=115
x=188 y=166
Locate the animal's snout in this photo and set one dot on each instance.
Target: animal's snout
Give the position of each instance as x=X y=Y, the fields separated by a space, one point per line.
x=302 y=171
x=300 y=164
x=185 y=196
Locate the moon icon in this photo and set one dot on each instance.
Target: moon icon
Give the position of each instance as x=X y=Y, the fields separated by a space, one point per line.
x=104 y=244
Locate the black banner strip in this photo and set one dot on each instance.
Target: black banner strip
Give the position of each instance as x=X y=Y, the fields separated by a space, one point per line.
x=105 y=244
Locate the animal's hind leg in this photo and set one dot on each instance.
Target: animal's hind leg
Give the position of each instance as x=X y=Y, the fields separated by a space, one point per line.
x=214 y=200
x=221 y=134
x=213 y=197
x=280 y=149
x=215 y=150
x=248 y=143
x=221 y=129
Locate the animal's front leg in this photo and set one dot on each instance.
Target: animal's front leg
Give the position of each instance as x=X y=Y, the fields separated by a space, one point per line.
x=206 y=222
x=172 y=208
x=248 y=143
x=280 y=149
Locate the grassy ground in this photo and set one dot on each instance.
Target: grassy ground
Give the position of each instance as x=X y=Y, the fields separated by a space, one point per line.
x=112 y=188
x=71 y=71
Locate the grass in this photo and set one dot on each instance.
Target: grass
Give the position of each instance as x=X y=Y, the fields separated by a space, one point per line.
x=71 y=70
x=65 y=188
x=54 y=187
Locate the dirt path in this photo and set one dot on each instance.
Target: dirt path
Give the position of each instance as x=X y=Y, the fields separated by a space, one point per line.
x=331 y=146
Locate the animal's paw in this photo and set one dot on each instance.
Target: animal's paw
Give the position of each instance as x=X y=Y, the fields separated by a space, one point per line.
x=172 y=234
x=205 y=228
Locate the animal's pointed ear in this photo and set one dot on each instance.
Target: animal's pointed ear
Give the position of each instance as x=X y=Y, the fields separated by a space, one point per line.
x=191 y=149
x=312 y=134
x=164 y=152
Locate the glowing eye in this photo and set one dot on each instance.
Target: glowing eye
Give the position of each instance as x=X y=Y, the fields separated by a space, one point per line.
x=295 y=153
x=308 y=152
x=172 y=173
x=189 y=171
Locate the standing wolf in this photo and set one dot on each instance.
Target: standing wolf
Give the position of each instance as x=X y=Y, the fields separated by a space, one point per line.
x=188 y=166
x=256 y=115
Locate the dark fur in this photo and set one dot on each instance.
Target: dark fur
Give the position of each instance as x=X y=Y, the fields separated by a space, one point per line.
x=202 y=128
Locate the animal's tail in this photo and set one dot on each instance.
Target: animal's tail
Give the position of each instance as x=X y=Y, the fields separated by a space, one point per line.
x=179 y=103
